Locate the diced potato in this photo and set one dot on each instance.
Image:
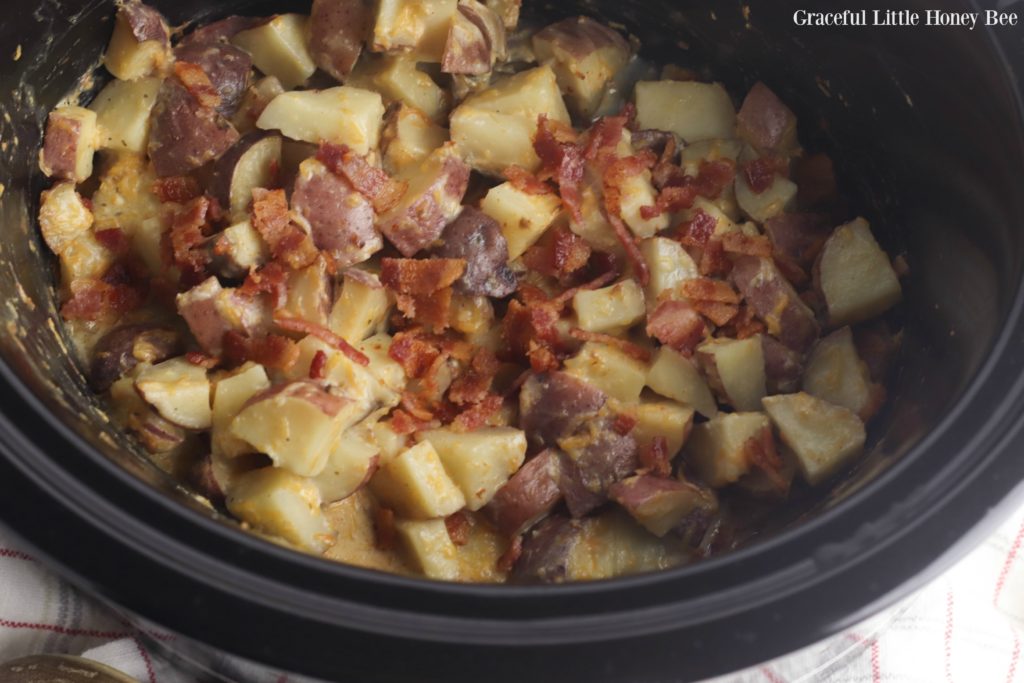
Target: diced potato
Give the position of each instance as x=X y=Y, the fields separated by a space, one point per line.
x=342 y=115
x=122 y=113
x=717 y=449
x=675 y=377
x=430 y=547
x=353 y=519
x=280 y=48
x=391 y=443
x=180 y=392
x=229 y=395
x=238 y=249
x=670 y=266
x=823 y=437
x=767 y=204
x=125 y=197
x=352 y=462
x=473 y=316
x=63 y=216
x=479 y=462
x=855 y=276
x=253 y=162
x=416 y=486
x=409 y=137
x=709 y=150
x=398 y=80
x=296 y=424
x=282 y=504
x=523 y=217
x=508 y=10
x=693 y=111
x=667 y=419
x=360 y=310
x=310 y=293
x=735 y=368
x=84 y=257
x=594 y=227
x=140 y=45
x=612 y=544
x=611 y=309
x=72 y=136
x=382 y=366
x=723 y=223
x=638 y=192
x=836 y=373
x=354 y=382
x=147 y=242
x=254 y=101
x=495 y=128
x=660 y=504
x=417 y=26
x=476 y=42
x=610 y=370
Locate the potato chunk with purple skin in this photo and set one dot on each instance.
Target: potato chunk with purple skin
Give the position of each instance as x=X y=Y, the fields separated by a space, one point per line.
x=775 y=302
x=252 y=162
x=530 y=494
x=71 y=140
x=337 y=32
x=477 y=238
x=476 y=40
x=141 y=43
x=766 y=123
x=552 y=405
x=660 y=504
x=211 y=311
x=228 y=68
x=184 y=134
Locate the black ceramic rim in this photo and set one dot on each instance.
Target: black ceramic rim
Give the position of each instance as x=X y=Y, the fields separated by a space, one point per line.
x=121 y=539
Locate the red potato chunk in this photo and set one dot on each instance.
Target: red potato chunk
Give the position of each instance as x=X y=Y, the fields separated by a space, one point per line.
x=70 y=142
x=529 y=495
x=431 y=201
x=123 y=348
x=775 y=302
x=477 y=238
x=338 y=30
x=547 y=552
x=184 y=134
x=659 y=504
x=141 y=42
x=798 y=237
x=341 y=220
x=783 y=367
x=555 y=404
x=211 y=311
x=476 y=40
x=766 y=123
x=596 y=458
x=228 y=68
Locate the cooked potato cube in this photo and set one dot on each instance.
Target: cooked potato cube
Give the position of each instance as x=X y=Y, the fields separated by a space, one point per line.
x=675 y=377
x=229 y=395
x=718 y=450
x=659 y=504
x=140 y=45
x=508 y=10
x=391 y=443
x=382 y=366
x=282 y=504
x=594 y=227
x=855 y=276
x=342 y=115
x=71 y=140
x=398 y=80
x=337 y=31
x=836 y=373
x=353 y=460
x=180 y=392
x=415 y=485
x=612 y=544
x=495 y=128
x=125 y=197
x=122 y=113
x=612 y=371
x=473 y=316
x=84 y=257
x=254 y=101
x=735 y=369
x=709 y=150
x=352 y=381
x=823 y=437
x=280 y=48
x=430 y=547
x=360 y=310
x=63 y=216
x=237 y=249
x=479 y=462
x=310 y=292
x=296 y=424
x=667 y=419
x=409 y=137
x=637 y=193
x=768 y=204
x=670 y=266
x=611 y=309
x=416 y=26
x=523 y=217
x=476 y=41
x=253 y=162
x=693 y=111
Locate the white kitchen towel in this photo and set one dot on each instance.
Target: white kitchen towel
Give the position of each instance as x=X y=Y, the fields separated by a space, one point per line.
x=966 y=627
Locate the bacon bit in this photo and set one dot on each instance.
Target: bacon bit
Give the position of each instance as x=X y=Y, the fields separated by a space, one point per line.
x=383 y=191
x=672 y=199
x=186 y=234
x=475 y=383
x=698 y=232
x=706 y=289
x=677 y=325
x=509 y=558
x=597 y=283
x=542 y=358
x=526 y=182
x=177 y=189
x=287 y=241
x=563 y=160
x=629 y=348
x=636 y=259
x=760 y=452
x=412 y=405
x=604 y=138
x=363 y=277
x=95 y=299
x=618 y=172
x=715 y=311
x=323 y=334
x=560 y=254
x=713 y=260
x=415 y=352
x=432 y=311
x=656 y=459
x=272 y=351
x=271 y=279
x=459 y=527
x=420 y=276
x=714 y=176
x=744 y=325
x=528 y=328
x=623 y=424
x=318 y=366
x=202 y=360
x=384 y=528
x=198 y=84
x=404 y=424
x=747 y=245
x=113 y=239
x=477 y=416
x=760 y=174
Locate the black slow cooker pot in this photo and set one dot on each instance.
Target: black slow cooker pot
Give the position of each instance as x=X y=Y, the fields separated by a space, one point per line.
x=926 y=126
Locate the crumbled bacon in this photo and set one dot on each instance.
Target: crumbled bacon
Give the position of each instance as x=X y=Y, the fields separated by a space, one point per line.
x=713 y=260
x=403 y=424
x=563 y=160
x=287 y=241
x=318 y=366
x=600 y=281
x=420 y=276
x=178 y=189
x=415 y=352
x=677 y=325
x=636 y=259
x=413 y=405
x=323 y=334
x=678 y=191
x=524 y=325
x=384 y=528
x=526 y=182
x=744 y=325
x=271 y=279
x=114 y=240
x=747 y=245
x=477 y=416
x=672 y=199
x=796 y=275
x=760 y=173
x=699 y=230
x=96 y=299
x=202 y=360
x=432 y=311
x=511 y=555
x=656 y=459
x=559 y=254
x=271 y=351
x=198 y=84
x=604 y=138
x=617 y=173
x=475 y=383
x=715 y=311
x=186 y=234
x=629 y=348
x=459 y=527
x=623 y=424
x=706 y=289
x=383 y=191
x=714 y=176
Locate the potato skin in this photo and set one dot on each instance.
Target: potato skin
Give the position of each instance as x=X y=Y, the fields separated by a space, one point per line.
x=338 y=30
x=228 y=68
x=553 y=405
x=184 y=134
x=58 y=158
x=547 y=551
x=342 y=220
x=529 y=495
x=774 y=300
x=224 y=168
x=121 y=349
x=145 y=22
x=477 y=238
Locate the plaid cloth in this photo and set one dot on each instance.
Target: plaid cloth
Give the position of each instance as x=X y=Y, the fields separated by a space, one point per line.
x=966 y=627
